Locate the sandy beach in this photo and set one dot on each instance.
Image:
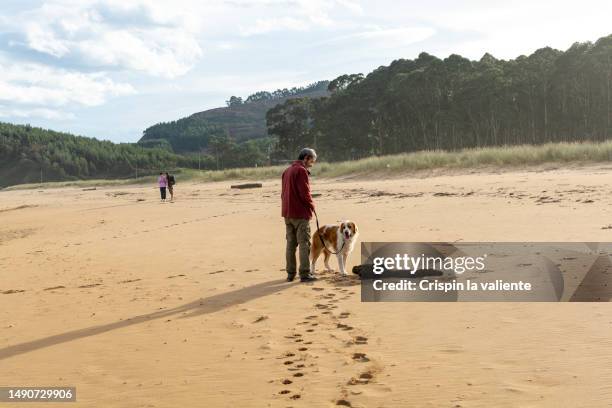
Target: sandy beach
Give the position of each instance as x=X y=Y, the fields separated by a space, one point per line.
x=184 y=304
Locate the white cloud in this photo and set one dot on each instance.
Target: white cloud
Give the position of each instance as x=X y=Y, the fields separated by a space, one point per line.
x=507 y=29
x=158 y=37
x=172 y=55
x=388 y=38
x=138 y=35
x=297 y=15
x=227 y=46
x=44 y=41
x=268 y=25
x=352 y=6
x=50 y=114
x=39 y=85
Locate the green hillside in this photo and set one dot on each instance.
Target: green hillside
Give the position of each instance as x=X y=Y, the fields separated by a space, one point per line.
x=239 y=120
x=29 y=154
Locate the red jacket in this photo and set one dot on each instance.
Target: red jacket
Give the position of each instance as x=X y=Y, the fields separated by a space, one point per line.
x=297 y=201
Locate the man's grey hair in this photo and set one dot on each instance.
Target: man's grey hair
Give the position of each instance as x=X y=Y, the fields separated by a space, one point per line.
x=306 y=152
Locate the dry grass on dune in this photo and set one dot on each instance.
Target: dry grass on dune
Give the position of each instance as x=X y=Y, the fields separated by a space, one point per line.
x=426 y=160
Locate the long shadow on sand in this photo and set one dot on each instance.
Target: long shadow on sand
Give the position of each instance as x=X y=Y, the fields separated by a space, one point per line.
x=201 y=306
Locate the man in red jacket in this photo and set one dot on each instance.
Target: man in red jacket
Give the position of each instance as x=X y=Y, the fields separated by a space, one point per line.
x=297 y=210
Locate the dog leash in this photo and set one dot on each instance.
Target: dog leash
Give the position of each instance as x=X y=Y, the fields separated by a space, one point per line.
x=321 y=236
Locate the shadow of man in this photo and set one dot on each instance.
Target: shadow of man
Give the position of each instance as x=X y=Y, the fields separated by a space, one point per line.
x=196 y=308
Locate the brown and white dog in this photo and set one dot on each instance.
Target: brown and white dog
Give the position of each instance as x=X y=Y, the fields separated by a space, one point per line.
x=339 y=239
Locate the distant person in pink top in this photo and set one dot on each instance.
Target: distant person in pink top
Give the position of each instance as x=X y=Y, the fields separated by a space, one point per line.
x=162 y=182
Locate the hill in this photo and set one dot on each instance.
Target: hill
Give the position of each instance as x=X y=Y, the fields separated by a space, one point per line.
x=239 y=120
x=29 y=154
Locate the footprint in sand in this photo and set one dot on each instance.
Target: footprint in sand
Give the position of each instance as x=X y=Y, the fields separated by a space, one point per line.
x=344 y=315
x=90 y=285
x=360 y=357
x=8 y=292
x=364 y=378
x=287 y=381
x=55 y=287
x=361 y=340
x=343 y=403
x=298 y=374
x=303 y=349
x=130 y=280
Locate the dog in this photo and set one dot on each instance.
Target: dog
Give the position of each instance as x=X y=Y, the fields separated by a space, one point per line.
x=338 y=239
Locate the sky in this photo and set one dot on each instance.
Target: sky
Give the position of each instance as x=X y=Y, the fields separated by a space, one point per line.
x=111 y=68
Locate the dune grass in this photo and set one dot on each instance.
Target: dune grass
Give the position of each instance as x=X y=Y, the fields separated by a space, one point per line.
x=505 y=156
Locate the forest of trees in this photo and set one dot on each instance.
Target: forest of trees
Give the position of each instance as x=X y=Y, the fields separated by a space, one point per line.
x=240 y=121
x=234 y=136
x=278 y=94
x=184 y=135
x=28 y=153
x=453 y=103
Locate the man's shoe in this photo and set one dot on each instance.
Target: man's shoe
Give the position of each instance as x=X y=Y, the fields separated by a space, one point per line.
x=290 y=278
x=308 y=278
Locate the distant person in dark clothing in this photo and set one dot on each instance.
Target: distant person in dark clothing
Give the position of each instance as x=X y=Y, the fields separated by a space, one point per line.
x=162 y=183
x=297 y=209
x=171 y=182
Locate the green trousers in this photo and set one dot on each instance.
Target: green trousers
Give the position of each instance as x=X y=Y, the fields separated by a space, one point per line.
x=298 y=234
